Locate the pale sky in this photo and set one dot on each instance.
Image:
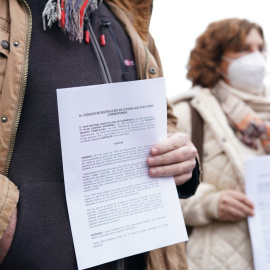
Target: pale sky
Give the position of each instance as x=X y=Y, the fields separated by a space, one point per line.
x=176 y=24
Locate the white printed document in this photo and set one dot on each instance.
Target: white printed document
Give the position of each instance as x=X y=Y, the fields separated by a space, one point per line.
x=257 y=171
x=115 y=209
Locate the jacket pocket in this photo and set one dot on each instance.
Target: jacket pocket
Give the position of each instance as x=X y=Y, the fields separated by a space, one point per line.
x=42 y=238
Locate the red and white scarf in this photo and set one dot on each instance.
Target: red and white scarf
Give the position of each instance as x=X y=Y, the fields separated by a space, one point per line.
x=69 y=14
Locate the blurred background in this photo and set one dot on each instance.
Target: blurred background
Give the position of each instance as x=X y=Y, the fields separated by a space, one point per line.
x=176 y=24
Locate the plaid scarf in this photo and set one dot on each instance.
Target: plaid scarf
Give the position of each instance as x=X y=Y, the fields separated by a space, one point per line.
x=69 y=14
x=247 y=114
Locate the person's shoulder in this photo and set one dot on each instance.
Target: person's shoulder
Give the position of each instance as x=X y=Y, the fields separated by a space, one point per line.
x=185 y=96
x=182 y=110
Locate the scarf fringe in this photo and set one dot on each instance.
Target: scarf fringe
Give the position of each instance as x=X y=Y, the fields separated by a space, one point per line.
x=70 y=15
x=50 y=11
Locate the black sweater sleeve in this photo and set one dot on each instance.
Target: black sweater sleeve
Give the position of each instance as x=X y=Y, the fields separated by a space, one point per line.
x=189 y=188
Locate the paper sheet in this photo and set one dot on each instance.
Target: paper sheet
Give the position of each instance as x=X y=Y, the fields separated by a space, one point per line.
x=116 y=210
x=257 y=171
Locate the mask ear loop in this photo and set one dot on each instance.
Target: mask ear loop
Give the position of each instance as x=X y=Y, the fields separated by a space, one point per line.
x=228 y=59
x=224 y=75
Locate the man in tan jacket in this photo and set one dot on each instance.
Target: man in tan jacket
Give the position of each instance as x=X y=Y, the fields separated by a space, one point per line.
x=35 y=233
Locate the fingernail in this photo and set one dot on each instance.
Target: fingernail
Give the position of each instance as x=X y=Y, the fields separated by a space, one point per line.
x=151 y=161
x=154 y=151
x=153 y=172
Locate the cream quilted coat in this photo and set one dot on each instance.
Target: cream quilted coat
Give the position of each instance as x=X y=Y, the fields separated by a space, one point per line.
x=213 y=244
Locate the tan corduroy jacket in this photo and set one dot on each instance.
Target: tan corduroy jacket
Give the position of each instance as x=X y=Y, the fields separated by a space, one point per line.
x=15 y=38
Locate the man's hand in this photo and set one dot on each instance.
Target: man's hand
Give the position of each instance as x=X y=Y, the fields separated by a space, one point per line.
x=234 y=205
x=6 y=241
x=174 y=156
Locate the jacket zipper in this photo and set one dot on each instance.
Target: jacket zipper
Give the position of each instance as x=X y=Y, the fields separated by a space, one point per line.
x=103 y=68
x=22 y=88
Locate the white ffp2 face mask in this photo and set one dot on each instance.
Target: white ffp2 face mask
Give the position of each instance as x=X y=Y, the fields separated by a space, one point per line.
x=247 y=72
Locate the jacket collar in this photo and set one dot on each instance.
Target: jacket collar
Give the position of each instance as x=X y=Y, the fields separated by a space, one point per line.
x=139 y=12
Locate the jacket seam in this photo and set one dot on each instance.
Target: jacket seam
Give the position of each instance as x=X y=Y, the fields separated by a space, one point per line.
x=18 y=87
x=178 y=256
x=5 y=26
x=160 y=258
x=20 y=94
